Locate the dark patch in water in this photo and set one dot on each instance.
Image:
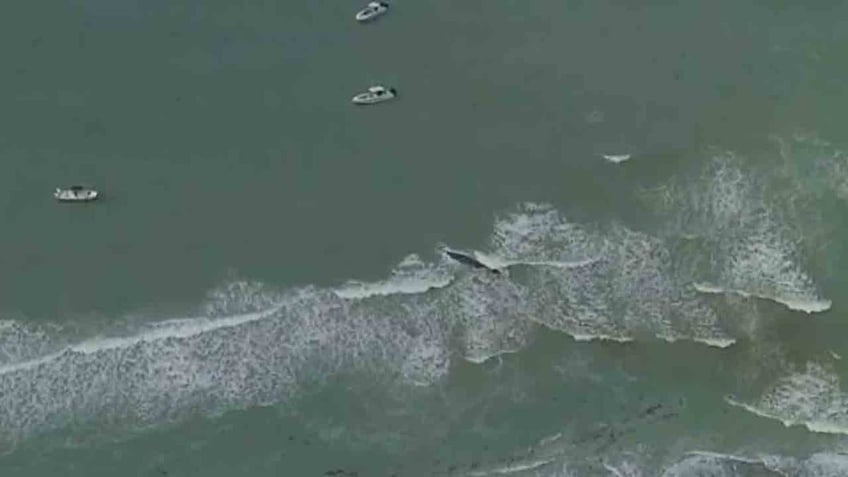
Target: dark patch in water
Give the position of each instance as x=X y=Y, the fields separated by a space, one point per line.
x=342 y=473
x=466 y=259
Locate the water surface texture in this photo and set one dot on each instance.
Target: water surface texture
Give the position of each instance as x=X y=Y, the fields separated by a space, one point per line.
x=262 y=291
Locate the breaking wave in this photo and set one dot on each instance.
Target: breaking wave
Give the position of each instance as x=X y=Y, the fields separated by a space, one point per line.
x=410 y=277
x=735 y=240
x=811 y=398
x=642 y=463
x=626 y=287
x=719 y=465
x=257 y=345
x=645 y=462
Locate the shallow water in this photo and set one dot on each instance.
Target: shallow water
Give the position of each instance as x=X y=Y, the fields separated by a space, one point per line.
x=261 y=292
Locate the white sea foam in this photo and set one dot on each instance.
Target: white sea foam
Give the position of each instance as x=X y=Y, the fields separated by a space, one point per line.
x=493 y=261
x=805 y=305
x=713 y=342
x=256 y=345
x=410 y=277
x=811 y=398
x=825 y=465
x=616 y=158
x=184 y=328
x=762 y=265
x=718 y=455
x=409 y=285
x=743 y=248
x=538 y=233
x=624 y=287
x=712 y=464
x=22 y=342
x=496 y=262
x=693 y=463
x=514 y=468
x=624 y=469
x=491 y=314
x=716 y=342
x=646 y=462
x=588 y=337
x=165 y=372
x=821 y=464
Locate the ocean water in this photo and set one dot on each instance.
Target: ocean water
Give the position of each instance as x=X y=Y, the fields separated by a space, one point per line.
x=262 y=291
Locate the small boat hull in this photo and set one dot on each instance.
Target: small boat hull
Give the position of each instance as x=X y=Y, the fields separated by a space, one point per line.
x=75 y=195
x=372 y=11
x=373 y=97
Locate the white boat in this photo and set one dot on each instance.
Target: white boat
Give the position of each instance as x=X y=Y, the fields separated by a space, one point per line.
x=372 y=11
x=375 y=94
x=75 y=194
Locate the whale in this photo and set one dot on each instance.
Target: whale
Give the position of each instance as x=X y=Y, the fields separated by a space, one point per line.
x=468 y=259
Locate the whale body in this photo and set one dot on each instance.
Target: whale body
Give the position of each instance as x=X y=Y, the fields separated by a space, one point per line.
x=467 y=259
